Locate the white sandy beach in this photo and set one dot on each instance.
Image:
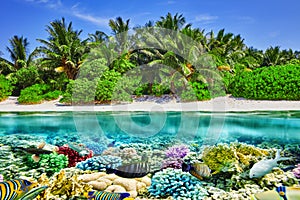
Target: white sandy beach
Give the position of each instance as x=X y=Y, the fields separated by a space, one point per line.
x=219 y=104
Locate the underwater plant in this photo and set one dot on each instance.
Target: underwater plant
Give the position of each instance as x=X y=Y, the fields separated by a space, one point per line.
x=175 y=183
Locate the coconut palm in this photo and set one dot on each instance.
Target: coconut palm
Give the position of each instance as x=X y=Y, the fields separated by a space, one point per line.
x=64 y=51
x=19 y=55
x=273 y=56
x=175 y=22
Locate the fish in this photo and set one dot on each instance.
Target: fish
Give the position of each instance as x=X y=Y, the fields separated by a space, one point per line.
x=79 y=148
x=135 y=170
x=264 y=167
x=198 y=170
x=102 y=195
x=36 y=152
x=33 y=193
x=14 y=189
x=281 y=192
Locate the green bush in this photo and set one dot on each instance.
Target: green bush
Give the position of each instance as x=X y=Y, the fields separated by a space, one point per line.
x=268 y=83
x=52 y=95
x=80 y=91
x=106 y=85
x=24 y=78
x=6 y=88
x=33 y=94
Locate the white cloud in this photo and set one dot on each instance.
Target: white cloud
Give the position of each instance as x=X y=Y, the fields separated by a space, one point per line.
x=90 y=18
x=205 y=18
x=53 y=4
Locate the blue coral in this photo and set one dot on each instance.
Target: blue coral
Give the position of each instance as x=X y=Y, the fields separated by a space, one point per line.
x=175 y=183
x=100 y=163
x=96 y=147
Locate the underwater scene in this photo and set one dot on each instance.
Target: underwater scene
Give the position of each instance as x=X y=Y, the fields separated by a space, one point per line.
x=150 y=155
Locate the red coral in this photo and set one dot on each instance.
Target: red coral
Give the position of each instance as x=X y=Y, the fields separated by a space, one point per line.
x=72 y=155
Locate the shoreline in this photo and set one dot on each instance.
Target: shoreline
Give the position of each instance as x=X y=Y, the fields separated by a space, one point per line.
x=219 y=104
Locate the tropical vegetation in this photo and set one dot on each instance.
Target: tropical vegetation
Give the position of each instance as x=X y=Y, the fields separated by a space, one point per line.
x=167 y=56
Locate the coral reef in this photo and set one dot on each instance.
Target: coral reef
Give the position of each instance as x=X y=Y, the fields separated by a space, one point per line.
x=62 y=138
x=73 y=156
x=99 y=163
x=175 y=183
x=63 y=186
x=51 y=163
x=113 y=183
x=96 y=147
x=244 y=193
x=174 y=156
x=296 y=171
x=128 y=155
x=233 y=158
x=178 y=151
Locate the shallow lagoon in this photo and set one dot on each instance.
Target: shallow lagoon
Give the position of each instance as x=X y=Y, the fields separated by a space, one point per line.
x=157 y=132
x=282 y=125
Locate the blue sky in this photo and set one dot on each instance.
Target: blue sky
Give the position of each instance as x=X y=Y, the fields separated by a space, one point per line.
x=262 y=23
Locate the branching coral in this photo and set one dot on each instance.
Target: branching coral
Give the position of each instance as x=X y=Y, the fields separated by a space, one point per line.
x=62 y=186
x=175 y=183
x=100 y=163
x=175 y=156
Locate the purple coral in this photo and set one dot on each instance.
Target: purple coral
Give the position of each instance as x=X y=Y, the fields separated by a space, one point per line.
x=296 y=171
x=178 y=151
x=175 y=156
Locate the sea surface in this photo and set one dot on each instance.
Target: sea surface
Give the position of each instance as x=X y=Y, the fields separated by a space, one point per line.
x=283 y=126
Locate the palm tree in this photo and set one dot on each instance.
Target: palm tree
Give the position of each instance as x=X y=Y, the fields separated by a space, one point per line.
x=273 y=56
x=175 y=22
x=64 y=51
x=19 y=55
x=97 y=37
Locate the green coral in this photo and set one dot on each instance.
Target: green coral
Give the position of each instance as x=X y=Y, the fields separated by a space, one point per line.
x=232 y=158
x=50 y=162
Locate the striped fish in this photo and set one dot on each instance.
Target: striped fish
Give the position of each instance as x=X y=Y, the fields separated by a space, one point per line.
x=102 y=195
x=135 y=170
x=33 y=193
x=13 y=189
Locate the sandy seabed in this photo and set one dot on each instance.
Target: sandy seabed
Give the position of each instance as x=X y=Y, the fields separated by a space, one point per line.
x=219 y=104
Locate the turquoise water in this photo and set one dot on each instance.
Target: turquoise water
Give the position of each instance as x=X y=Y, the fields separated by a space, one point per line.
x=210 y=127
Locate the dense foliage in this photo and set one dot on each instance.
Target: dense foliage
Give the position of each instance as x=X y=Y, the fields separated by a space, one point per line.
x=200 y=65
x=268 y=83
x=5 y=88
x=37 y=93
